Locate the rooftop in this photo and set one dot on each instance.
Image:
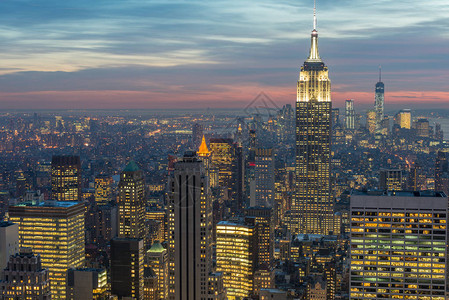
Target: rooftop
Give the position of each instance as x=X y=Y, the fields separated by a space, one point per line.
x=432 y=194
x=131 y=167
x=49 y=203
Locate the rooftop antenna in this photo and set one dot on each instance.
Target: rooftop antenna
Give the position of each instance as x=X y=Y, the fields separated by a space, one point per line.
x=380 y=73
x=314 y=14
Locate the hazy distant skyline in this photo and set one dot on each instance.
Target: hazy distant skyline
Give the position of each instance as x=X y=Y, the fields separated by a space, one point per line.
x=160 y=54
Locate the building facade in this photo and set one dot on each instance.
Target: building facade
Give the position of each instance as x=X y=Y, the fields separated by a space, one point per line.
x=25 y=278
x=236 y=258
x=66 y=178
x=55 y=231
x=131 y=202
x=127 y=268
x=190 y=229
x=350 y=114
x=398 y=245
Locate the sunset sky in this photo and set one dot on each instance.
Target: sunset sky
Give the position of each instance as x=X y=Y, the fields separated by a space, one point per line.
x=195 y=54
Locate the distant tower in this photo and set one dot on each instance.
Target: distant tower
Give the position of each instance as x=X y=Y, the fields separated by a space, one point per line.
x=190 y=229
x=103 y=189
x=379 y=101
x=442 y=172
x=66 y=178
x=204 y=155
x=349 y=114
x=371 y=121
x=197 y=134
x=312 y=209
x=131 y=202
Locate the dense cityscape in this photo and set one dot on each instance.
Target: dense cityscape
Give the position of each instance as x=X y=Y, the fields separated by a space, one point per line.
x=304 y=200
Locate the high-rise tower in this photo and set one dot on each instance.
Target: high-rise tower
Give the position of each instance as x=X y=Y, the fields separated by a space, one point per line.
x=131 y=202
x=190 y=229
x=312 y=209
x=66 y=178
x=350 y=114
x=379 y=101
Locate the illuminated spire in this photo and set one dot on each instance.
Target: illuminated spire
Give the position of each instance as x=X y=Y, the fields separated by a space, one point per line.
x=203 y=150
x=314 y=56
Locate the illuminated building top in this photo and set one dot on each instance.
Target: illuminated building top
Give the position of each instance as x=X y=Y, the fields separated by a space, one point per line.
x=203 y=150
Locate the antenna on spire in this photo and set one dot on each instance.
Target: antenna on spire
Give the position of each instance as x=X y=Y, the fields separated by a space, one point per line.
x=380 y=73
x=314 y=14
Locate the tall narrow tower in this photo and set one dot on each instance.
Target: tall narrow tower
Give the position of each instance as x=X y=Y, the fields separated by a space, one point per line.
x=190 y=230
x=312 y=209
x=131 y=202
x=379 y=101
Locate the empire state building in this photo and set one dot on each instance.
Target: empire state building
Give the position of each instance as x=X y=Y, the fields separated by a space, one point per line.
x=312 y=207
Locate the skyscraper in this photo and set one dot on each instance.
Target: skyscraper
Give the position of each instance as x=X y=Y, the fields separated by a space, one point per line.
x=312 y=209
x=131 y=202
x=263 y=192
x=197 y=134
x=379 y=99
x=349 y=114
x=190 y=229
x=157 y=260
x=390 y=180
x=66 y=178
x=404 y=118
x=237 y=257
x=103 y=189
x=371 y=121
x=442 y=172
x=127 y=267
x=55 y=230
x=398 y=245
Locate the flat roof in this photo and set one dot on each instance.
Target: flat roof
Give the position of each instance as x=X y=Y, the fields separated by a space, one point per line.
x=432 y=194
x=49 y=203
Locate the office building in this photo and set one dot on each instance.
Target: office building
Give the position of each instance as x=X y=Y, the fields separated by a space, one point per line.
x=390 y=180
x=236 y=258
x=349 y=114
x=404 y=119
x=9 y=242
x=335 y=117
x=25 y=278
x=55 y=230
x=371 y=124
x=66 y=178
x=442 y=172
x=227 y=169
x=190 y=229
x=103 y=189
x=312 y=209
x=262 y=194
x=85 y=283
x=127 y=267
x=398 y=245
x=131 y=202
x=422 y=128
x=157 y=260
x=264 y=232
x=379 y=100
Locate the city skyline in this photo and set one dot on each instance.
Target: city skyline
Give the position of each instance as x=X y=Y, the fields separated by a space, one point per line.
x=155 y=55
